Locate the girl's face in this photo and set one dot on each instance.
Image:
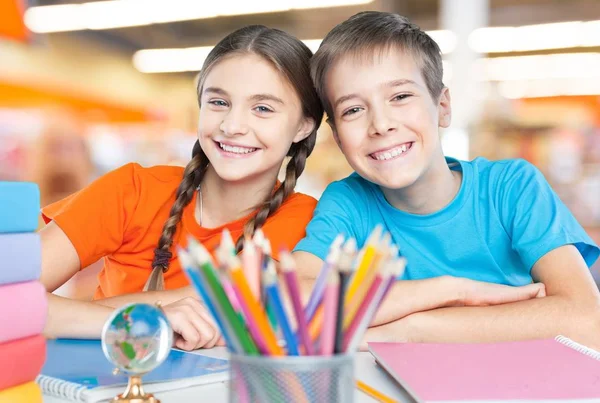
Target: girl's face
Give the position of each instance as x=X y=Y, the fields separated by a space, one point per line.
x=249 y=117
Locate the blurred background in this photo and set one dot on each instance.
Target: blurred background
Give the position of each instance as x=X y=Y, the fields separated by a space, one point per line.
x=88 y=86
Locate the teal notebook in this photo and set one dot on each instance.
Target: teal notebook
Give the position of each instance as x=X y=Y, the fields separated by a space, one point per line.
x=19 y=207
x=78 y=371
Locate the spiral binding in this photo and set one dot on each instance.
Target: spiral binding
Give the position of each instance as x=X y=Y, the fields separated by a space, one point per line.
x=59 y=388
x=578 y=347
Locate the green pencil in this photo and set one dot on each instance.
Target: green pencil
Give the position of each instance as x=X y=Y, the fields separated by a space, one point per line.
x=203 y=259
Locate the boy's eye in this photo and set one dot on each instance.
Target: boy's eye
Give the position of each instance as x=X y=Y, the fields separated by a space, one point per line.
x=400 y=97
x=263 y=109
x=351 y=111
x=217 y=102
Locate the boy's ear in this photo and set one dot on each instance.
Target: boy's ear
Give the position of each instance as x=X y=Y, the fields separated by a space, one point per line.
x=334 y=131
x=305 y=129
x=444 y=109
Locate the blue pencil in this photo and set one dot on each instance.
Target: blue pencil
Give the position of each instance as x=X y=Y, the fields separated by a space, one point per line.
x=197 y=280
x=274 y=297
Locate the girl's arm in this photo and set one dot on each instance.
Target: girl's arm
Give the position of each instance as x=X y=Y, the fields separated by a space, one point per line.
x=408 y=297
x=83 y=319
x=60 y=262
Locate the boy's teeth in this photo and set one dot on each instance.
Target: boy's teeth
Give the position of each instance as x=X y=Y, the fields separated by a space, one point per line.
x=235 y=149
x=386 y=155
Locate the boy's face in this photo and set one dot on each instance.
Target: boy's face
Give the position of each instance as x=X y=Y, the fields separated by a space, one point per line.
x=384 y=118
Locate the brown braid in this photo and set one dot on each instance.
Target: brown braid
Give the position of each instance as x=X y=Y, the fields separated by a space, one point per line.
x=192 y=177
x=300 y=151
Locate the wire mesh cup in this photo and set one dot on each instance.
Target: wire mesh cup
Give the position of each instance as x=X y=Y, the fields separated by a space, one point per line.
x=291 y=379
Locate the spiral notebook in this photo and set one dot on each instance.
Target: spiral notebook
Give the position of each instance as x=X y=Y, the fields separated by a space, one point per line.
x=535 y=370
x=78 y=371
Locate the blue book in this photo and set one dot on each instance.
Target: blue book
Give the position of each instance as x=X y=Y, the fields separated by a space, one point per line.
x=77 y=370
x=19 y=207
x=20 y=258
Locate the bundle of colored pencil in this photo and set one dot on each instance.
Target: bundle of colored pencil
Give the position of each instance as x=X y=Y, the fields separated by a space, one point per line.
x=244 y=296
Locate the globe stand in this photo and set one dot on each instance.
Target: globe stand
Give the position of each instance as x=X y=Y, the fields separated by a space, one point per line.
x=134 y=393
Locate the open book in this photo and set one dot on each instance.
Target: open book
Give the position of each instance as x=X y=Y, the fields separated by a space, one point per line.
x=78 y=371
x=534 y=370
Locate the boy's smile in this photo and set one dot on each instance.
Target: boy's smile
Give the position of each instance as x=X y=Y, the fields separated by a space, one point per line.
x=386 y=121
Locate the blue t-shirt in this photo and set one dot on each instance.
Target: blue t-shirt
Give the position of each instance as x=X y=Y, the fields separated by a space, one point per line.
x=504 y=217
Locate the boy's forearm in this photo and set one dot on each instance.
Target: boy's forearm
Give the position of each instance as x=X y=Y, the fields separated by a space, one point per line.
x=410 y=296
x=70 y=318
x=148 y=297
x=532 y=319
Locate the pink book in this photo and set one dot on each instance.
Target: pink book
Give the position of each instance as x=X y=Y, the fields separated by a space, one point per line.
x=554 y=369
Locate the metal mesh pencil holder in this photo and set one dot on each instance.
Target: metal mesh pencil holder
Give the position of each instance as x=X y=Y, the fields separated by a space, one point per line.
x=260 y=379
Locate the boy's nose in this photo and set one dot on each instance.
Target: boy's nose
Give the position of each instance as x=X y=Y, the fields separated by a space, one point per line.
x=381 y=125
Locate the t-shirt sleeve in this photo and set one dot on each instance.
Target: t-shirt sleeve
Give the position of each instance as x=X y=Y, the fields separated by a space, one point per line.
x=535 y=218
x=95 y=218
x=336 y=213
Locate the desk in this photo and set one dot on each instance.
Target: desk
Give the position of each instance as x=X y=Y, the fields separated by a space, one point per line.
x=365 y=369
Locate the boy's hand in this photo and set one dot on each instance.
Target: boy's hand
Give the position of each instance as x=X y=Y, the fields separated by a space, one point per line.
x=193 y=325
x=478 y=293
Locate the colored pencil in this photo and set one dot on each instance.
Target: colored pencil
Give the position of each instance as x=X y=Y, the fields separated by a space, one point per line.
x=252 y=267
x=360 y=313
x=272 y=291
x=366 y=260
x=374 y=393
x=288 y=267
x=380 y=257
x=330 y=306
x=372 y=310
x=202 y=257
x=317 y=293
x=197 y=280
x=344 y=274
x=345 y=263
x=256 y=317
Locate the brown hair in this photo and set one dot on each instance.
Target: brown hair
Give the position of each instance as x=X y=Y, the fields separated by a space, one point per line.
x=292 y=58
x=373 y=31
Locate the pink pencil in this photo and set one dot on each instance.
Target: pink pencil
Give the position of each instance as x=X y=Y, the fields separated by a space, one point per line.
x=225 y=281
x=251 y=267
x=362 y=309
x=288 y=267
x=330 y=307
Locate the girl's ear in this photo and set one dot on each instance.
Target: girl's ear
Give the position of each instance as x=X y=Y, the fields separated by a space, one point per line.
x=304 y=130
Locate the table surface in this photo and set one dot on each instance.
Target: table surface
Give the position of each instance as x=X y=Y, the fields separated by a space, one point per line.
x=364 y=367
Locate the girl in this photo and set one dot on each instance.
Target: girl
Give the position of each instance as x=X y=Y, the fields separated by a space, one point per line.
x=257 y=106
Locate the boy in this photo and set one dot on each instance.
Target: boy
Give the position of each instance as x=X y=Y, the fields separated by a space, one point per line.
x=380 y=79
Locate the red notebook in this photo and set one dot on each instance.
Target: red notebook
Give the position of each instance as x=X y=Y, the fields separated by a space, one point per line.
x=555 y=369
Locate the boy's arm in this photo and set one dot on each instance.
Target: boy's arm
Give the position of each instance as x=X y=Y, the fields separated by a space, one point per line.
x=407 y=297
x=571 y=308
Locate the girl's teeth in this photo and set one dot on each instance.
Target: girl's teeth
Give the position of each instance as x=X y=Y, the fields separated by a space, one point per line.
x=236 y=150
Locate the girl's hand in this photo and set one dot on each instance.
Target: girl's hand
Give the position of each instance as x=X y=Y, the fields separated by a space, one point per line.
x=193 y=325
x=478 y=293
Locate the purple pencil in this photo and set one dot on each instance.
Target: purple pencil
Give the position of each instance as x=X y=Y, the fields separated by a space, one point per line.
x=288 y=267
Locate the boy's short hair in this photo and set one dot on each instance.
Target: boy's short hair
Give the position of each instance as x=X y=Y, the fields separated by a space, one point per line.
x=373 y=31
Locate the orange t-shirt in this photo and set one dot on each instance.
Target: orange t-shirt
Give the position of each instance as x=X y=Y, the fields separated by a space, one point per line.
x=120 y=217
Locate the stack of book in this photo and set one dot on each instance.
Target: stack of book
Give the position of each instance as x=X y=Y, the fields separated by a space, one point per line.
x=23 y=302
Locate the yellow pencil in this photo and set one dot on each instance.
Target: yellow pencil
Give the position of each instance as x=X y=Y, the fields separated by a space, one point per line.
x=367 y=259
x=377 y=395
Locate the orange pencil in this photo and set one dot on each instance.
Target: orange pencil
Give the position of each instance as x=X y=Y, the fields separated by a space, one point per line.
x=255 y=311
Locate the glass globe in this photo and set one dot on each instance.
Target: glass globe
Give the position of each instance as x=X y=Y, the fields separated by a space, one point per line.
x=137 y=338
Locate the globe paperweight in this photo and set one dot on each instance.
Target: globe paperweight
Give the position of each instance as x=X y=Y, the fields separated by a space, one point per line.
x=136 y=339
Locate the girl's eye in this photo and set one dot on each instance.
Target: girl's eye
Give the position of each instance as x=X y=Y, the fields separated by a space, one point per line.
x=263 y=109
x=217 y=102
x=351 y=111
x=401 y=97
